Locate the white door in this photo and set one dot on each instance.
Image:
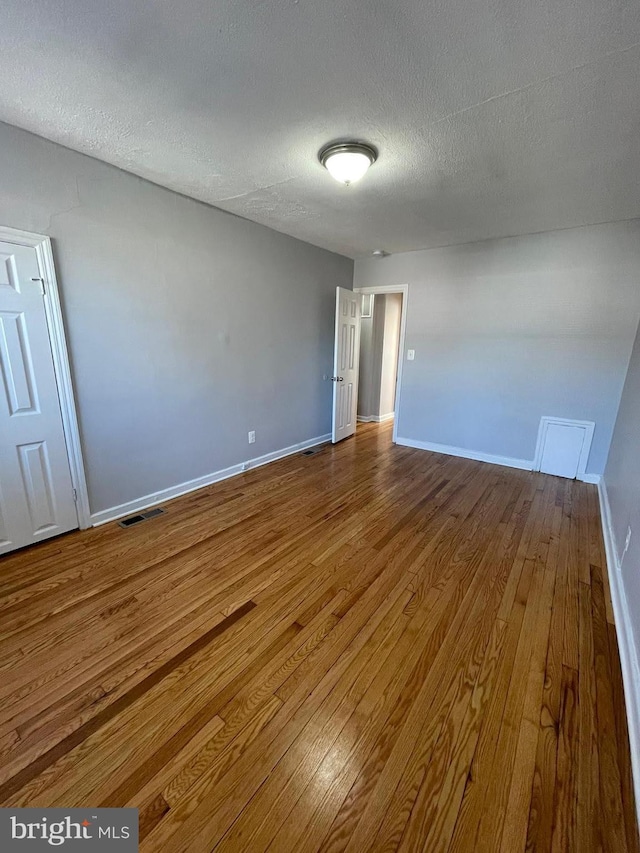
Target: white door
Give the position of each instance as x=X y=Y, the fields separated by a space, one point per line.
x=345 y=364
x=36 y=492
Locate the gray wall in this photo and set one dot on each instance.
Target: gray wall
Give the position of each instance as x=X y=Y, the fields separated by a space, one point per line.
x=371 y=343
x=506 y=331
x=389 y=367
x=366 y=377
x=622 y=478
x=379 y=336
x=187 y=326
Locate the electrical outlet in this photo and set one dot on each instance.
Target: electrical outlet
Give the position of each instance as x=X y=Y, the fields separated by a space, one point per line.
x=252 y=436
x=627 y=540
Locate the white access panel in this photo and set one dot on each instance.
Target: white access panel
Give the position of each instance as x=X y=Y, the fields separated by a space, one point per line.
x=563 y=447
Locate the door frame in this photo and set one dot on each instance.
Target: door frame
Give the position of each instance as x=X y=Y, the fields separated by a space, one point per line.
x=59 y=351
x=404 y=290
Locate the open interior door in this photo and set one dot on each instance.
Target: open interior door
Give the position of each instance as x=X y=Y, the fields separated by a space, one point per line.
x=345 y=364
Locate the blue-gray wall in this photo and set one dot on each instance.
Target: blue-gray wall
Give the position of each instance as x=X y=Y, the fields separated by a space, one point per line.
x=506 y=331
x=622 y=478
x=187 y=326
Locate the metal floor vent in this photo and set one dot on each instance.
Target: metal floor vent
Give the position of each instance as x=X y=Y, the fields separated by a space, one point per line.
x=141 y=516
x=311 y=451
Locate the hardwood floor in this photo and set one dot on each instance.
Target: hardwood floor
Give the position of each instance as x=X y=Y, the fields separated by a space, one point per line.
x=371 y=648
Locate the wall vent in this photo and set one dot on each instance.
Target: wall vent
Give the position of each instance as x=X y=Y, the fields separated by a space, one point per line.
x=141 y=516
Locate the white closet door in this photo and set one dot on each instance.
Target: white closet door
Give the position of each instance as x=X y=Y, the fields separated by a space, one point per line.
x=36 y=492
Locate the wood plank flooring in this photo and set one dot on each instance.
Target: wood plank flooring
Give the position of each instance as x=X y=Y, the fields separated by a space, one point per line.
x=371 y=648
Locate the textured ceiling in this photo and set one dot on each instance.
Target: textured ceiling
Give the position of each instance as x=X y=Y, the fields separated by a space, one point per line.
x=492 y=117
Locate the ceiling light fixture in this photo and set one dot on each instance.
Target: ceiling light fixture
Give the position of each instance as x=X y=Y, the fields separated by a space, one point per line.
x=347 y=162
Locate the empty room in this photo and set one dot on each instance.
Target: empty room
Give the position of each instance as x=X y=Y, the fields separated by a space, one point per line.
x=320 y=426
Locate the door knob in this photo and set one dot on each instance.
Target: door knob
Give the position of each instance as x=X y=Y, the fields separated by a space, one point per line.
x=337 y=378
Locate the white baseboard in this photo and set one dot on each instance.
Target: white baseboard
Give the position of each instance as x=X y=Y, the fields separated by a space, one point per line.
x=376 y=419
x=508 y=461
x=629 y=661
x=139 y=504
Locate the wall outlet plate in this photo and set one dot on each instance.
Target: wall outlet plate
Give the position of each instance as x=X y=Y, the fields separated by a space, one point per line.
x=252 y=436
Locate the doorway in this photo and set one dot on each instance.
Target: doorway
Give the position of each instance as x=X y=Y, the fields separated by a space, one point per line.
x=43 y=490
x=381 y=344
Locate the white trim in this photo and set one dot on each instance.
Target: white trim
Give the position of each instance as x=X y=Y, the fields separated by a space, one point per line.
x=463 y=453
x=478 y=456
x=404 y=290
x=53 y=311
x=546 y=421
x=139 y=504
x=376 y=419
x=629 y=661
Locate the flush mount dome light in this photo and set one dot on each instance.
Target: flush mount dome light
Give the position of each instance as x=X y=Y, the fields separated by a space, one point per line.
x=347 y=162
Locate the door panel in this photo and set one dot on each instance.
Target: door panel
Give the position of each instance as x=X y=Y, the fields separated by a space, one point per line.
x=36 y=492
x=17 y=370
x=346 y=364
x=8 y=272
x=36 y=481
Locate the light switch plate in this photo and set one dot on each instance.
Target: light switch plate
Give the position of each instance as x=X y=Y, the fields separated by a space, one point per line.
x=411 y=354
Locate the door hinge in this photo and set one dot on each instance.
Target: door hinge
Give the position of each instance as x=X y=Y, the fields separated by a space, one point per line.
x=41 y=280
x=75 y=495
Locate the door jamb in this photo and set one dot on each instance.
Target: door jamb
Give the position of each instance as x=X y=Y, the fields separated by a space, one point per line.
x=404 y=290
x=59 y=351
